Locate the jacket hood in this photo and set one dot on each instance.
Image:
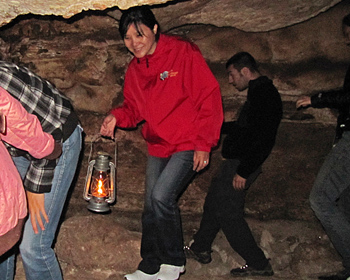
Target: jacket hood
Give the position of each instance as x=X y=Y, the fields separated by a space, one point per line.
x=164 y=46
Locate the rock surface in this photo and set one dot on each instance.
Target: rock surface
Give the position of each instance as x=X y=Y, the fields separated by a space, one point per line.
x=252 y=15
x=94 y=246
x=85 y=57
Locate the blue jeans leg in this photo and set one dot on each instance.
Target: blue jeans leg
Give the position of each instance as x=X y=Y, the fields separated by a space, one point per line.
x=162 y=240
x=7 y=266
x=332 y=182
x=39 y=259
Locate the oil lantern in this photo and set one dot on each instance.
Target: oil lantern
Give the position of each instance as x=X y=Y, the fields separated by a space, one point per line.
x=99 y=188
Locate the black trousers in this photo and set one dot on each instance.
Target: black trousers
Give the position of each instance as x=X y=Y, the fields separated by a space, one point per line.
x=224 y=209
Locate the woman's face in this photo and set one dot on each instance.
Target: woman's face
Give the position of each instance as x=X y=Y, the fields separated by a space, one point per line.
x=141 y=42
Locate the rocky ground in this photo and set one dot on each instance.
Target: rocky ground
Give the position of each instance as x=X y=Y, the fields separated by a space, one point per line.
x=298 y=250
x=94 y=247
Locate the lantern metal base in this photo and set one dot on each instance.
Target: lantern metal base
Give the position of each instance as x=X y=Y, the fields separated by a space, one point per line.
x=98 y=204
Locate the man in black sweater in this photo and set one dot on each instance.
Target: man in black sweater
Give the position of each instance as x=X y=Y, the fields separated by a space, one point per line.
x=248 y=143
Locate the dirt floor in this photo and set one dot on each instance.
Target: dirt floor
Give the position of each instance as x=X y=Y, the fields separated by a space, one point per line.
x=276 y=200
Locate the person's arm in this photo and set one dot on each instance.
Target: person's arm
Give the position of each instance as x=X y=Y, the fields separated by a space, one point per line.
x=331 y=99
x=239 y=182
x=37 y=182
x=36 y=207
x=108 y=126
x=24 y=130
x=228 y=127
x=125 y=116
x=200 y=160
x=258 y=138
x=303 y=102
x=205 y=93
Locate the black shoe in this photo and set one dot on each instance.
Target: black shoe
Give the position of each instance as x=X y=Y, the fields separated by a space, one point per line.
x=247 y=270
x=202 y=257
x=342 y=275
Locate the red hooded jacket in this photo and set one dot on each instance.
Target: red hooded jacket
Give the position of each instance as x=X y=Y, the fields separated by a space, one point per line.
x=178 y=97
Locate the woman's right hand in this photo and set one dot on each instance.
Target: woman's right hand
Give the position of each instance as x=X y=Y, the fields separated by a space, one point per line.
x=108 y=126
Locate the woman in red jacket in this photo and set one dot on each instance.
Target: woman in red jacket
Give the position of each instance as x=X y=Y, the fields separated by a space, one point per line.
x=170 y=88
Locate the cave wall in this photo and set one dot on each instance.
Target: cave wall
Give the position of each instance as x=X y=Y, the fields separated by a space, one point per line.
x=303 y=53
x=250 y=15
x=86 y=59
x=84 y=56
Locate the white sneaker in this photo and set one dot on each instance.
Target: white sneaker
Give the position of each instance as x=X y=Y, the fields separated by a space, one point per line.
x=139 y=275
x=170 y=272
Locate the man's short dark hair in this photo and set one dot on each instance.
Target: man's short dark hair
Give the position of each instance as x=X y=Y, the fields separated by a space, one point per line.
x=241 y=60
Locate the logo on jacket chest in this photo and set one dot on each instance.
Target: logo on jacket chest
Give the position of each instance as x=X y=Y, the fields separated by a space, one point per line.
x=168 y=74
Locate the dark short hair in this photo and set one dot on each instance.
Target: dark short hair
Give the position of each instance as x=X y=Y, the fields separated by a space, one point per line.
x=346 y=20
x=137 y=15
x=241 y=60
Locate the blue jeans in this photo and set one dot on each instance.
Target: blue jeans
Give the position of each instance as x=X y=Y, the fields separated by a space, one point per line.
x=162 y=240
x=331 y=187
x=39 y=259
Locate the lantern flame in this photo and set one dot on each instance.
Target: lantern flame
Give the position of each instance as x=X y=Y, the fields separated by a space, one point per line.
x=100 y=191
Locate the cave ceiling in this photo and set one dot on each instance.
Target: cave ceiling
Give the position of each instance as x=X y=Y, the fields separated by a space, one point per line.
x=246 y=15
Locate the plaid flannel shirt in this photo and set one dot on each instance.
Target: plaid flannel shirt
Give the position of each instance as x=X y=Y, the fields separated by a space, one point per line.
x=40 y=98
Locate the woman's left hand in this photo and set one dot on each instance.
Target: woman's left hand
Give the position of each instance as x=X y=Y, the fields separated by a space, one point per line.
x=200 y=160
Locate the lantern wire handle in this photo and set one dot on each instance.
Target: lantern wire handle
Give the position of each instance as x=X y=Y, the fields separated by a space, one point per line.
x=94 y=139
x=115 y=152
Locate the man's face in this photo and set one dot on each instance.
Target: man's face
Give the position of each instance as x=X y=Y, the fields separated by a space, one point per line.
x=237 y=78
